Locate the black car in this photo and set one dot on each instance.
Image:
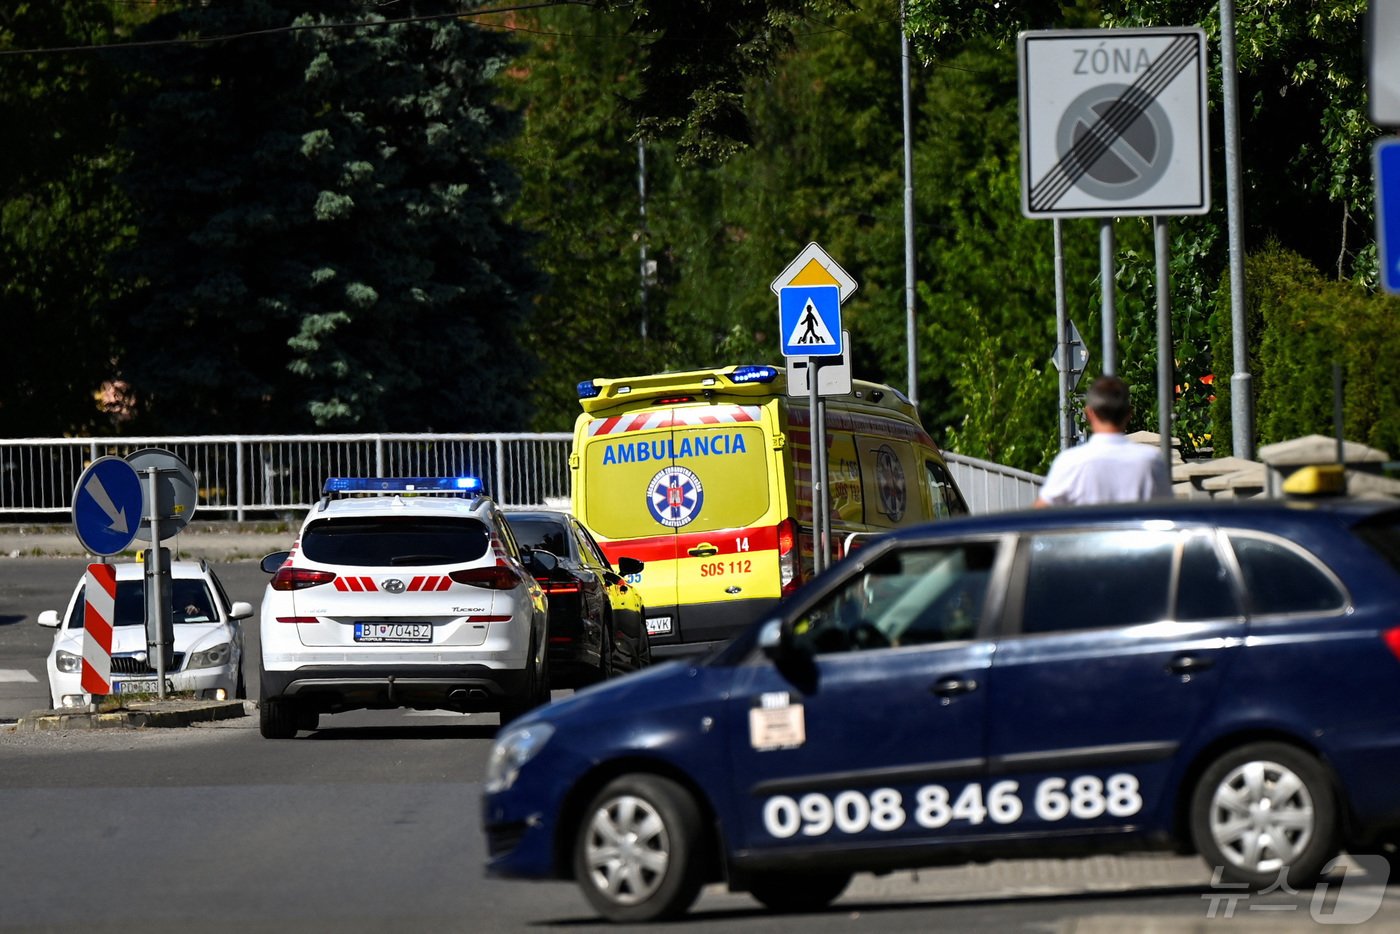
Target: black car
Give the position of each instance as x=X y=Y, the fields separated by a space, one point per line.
x=597 y=623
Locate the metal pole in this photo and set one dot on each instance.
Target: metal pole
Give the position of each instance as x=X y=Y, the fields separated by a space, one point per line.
x=642 y=232
x=911 y=339
x=1106 y=291
x=825 y=511
x=157 y=601
x=814 y=426
x=1165 y=361
x=1337 y=412
x=1062 y=334
x=1241 y=389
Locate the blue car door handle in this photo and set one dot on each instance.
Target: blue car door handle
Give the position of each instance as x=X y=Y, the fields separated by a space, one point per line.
x=1188 y=664
x=950 y=687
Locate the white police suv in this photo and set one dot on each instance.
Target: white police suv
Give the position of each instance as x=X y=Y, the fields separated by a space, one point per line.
x=402 y=592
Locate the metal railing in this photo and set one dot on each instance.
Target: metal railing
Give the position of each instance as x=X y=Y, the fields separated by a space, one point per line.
x=245 y=476
x=990 y=487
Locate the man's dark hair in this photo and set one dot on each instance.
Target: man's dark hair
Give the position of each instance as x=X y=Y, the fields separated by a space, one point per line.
x=1108 y=398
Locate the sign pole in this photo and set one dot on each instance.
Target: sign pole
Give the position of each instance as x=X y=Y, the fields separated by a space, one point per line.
x=1106 y=291
x=825 y=511
x=813 y=437
x=155 y=593
x=1062 y=335
x=1165 y=361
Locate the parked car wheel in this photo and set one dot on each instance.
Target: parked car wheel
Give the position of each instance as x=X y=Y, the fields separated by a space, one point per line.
x=798 y=891
x=639 y=849
x=1265 y=812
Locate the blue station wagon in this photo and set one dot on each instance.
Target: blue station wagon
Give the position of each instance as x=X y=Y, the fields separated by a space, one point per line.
x=1191 y=677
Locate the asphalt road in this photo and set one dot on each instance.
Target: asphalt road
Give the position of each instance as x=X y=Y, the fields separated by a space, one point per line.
x=371 y=824
x=30 y=585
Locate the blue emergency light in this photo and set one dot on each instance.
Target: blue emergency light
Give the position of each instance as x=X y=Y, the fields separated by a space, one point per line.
x=588 y=389
x=402 y=485
x=753 y=374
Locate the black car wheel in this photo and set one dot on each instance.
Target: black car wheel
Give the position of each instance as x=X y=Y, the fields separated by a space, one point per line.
x=277 y=718
x=798 y=891
x=1265 y=812
x=638 y=854
x=606 y=647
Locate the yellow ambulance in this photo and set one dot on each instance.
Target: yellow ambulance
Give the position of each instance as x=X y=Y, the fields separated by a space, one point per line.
x=705 y=476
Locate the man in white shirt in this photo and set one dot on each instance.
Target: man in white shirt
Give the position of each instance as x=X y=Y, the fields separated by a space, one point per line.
x=1108 y=468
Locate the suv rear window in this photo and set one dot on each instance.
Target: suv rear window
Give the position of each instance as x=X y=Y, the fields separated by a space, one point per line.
x=392 y=541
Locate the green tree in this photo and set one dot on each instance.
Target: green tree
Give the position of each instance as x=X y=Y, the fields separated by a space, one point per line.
x=322 y=236
x=60 y=217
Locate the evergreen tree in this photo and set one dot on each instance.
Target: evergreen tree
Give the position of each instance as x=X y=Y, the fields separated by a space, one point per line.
x=60 y=217
x=322 y=242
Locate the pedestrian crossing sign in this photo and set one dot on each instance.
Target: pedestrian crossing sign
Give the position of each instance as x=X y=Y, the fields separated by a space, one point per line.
x=810 y=320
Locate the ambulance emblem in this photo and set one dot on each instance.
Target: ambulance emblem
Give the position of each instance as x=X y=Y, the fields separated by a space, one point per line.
x=674 y=497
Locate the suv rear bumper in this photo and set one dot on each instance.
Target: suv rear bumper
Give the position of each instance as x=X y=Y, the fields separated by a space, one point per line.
x=329 y=689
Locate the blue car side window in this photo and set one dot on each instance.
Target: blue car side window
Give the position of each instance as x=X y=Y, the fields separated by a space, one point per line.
x=1098 y=580
x=1280 y=580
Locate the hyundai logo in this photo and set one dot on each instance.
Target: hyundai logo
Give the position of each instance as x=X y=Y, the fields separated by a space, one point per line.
x=393 y=585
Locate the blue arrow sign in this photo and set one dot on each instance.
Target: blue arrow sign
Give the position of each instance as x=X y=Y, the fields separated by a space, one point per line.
x=809 y=320
x=1387 y=161
x=108 y=503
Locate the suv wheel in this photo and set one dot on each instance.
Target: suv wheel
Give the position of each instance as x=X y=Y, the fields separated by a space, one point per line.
x=638 y=851
x=277 y=718
x=536 y=692
x=1265 y=812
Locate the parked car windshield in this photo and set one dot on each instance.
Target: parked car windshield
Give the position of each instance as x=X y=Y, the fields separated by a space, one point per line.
x=190 y=602
x=383 y=541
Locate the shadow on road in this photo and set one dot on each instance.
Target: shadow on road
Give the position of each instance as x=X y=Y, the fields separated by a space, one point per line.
x=333 y=734
x=9 y=619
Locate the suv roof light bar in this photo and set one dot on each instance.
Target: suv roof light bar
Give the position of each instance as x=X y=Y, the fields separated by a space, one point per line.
x=457 y=486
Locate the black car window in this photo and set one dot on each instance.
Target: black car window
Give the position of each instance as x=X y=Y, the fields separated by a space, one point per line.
x=915 y=596
x=383 y=541
x=1382 y=533
x=588 y=553
x=1205 y=589
x=542 y=532
x=1097 y=580
x=1280 y=579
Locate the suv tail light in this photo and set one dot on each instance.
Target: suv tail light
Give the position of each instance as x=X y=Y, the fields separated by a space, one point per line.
x=498 y=577
x=290 y=578
x=789 y=569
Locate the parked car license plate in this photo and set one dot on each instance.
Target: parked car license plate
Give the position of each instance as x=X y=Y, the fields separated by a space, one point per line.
x=150 y=686
x=658 y=625
x=393 y=632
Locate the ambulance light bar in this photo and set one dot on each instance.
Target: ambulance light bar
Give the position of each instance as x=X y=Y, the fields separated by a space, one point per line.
x=753 y=374
x=588 y=389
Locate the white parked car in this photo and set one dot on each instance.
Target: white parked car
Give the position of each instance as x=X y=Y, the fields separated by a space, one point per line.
x=402 y=592
x=208 y=638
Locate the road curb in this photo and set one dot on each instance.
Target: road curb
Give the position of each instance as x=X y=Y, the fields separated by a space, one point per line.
x=157 y=714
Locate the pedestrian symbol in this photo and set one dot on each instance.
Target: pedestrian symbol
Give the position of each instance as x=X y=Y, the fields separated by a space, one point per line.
x=810 y=319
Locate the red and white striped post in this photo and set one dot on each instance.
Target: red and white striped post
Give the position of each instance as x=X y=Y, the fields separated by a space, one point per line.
x=100 y=599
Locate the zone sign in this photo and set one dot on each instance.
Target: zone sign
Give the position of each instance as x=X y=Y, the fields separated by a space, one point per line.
x=1113 y=122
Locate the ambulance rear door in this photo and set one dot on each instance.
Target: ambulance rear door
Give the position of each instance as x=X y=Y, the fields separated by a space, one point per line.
x=688 y=490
